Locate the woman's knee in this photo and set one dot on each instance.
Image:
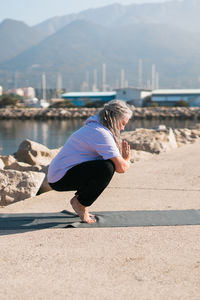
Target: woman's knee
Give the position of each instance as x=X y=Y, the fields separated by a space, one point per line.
x=108 y=167
x=111 y=165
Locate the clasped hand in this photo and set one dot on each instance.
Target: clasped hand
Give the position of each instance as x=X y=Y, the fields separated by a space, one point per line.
x=125 y=150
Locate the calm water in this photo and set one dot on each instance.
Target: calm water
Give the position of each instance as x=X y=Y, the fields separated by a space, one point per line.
x=54 y=133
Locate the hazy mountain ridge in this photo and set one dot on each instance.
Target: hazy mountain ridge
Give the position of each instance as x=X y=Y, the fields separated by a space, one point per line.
x=117 y=35
x=83 y=46
x=15 y=37
x=183 y=14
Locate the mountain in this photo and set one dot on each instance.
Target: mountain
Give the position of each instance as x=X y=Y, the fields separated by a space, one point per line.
x=182 y=14
x=164 y=34
x=70 y=51
x=103 y=16
x=54 y=24
x=15 y=37
x=83 y=46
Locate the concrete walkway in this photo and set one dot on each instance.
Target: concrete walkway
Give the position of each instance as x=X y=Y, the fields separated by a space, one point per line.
x=112 y=263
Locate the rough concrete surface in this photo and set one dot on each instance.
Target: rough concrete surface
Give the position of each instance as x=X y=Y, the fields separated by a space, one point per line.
x=112 y=263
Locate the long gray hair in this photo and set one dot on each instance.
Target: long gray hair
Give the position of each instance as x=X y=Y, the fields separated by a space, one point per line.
x=112 y=114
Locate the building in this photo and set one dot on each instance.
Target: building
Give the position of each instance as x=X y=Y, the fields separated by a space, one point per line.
x=81 y=98
x=171 y=97
x=1 y=90
x=18 y=91
x=25 y=92
x=133 y=96
x=29 y=92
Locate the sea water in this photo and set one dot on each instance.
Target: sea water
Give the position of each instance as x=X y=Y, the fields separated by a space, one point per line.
x=54 y=133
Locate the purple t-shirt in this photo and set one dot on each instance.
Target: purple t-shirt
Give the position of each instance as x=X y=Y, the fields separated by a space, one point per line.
x=93 y=141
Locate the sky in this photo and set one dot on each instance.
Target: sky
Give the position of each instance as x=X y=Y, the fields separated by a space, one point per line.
x=33 y=12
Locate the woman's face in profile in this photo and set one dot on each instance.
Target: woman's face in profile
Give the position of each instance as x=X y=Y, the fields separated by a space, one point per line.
x=123 y=123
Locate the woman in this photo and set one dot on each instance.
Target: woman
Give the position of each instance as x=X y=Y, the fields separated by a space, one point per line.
x=89 y=158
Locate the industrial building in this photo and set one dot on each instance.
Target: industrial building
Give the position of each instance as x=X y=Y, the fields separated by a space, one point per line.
x=136 y=96
x=81 y=98
x=171 y=97
x=132 y=95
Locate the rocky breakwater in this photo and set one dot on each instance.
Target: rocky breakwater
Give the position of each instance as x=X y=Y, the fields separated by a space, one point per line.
x=45 y=114
x=192 y=113
x=71 y=113
x=145 y=143
x=23 y=174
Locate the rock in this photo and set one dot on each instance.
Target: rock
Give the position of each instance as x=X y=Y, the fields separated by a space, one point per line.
x=16 y=186
x=195 y=133
x=2 y=165
x=8 y=160
x=172 y=139
x=186 y=136
x=140 y=155
x=160 y=128
x=45 y=187
x=23 y=167
x=150 y=140
x=6 y=200
x=34 y=153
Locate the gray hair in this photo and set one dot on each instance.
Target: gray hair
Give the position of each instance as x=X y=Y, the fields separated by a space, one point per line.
x=114 y=112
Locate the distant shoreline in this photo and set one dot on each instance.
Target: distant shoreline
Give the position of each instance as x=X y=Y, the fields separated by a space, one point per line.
x=192 y=113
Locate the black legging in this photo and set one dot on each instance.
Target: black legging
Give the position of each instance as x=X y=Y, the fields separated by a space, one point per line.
x=89 y=179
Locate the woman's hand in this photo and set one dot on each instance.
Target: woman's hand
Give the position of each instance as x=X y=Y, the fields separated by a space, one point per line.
x=122 y=164
x=125 y=150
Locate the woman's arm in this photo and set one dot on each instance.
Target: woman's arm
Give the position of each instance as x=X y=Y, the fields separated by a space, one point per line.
x=122 y=164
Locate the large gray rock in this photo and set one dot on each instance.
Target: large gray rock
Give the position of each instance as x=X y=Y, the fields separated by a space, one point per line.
x=150 y=140
x=16 y=186
x=34 y=153
x=23 y=167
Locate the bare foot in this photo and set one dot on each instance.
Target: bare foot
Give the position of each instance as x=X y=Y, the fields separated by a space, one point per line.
x=91 y=215
x=82 y=211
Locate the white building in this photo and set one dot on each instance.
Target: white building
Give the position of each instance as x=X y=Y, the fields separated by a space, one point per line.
x=133 y=96
x=25 y=92
x=18 y=92
x=1 y=90
x=29 y=92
